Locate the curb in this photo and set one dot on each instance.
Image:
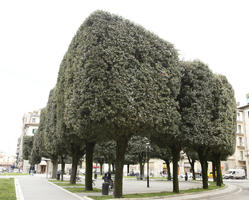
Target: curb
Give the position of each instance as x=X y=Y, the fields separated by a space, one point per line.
x=19 y=194
x=211 y=194
x=75 y=195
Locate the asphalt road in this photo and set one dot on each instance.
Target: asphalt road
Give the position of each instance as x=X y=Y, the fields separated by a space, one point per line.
x=241 y=194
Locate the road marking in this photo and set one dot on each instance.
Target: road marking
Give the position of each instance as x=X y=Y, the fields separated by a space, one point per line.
x=19 y=194
x=75 y=195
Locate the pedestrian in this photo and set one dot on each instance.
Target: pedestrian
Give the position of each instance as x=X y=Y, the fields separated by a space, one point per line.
x=95 y=175
x=105 y=177
x=186 y=176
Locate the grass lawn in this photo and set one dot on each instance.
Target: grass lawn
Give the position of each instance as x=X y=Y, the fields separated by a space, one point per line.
x=78 y=190
x=13 y=174
x=7 y=189
x=212 y=186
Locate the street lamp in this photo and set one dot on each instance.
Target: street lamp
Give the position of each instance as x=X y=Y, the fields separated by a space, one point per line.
x=147 y=158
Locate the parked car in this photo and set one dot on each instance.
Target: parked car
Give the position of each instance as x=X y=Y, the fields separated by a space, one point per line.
x=235 y=174
x=82 y=171
x=16 y=170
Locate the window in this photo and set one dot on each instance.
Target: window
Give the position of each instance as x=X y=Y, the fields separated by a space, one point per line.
x=241 y=155
x=33 y=130
x=248 y=114
x=33 y=120
x=240 y=141
x=239 y=129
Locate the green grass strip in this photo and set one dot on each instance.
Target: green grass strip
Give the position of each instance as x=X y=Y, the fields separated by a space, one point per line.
x=7 y=189
x=54 y=180
x=212 y=186
x=68 y=184
x=13 y=174
x=79 y=190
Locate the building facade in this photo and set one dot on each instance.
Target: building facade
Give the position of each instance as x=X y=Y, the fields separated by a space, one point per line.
x=30 y=125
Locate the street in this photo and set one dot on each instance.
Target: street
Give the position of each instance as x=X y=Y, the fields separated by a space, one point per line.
x=242 y=192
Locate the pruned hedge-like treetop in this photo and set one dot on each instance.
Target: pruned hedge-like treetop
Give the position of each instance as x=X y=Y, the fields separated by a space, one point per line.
x=117 y=75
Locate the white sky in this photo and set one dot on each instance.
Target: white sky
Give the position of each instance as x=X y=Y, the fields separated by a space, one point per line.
x=35 y=34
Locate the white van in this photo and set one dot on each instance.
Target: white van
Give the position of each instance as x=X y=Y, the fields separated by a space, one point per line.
x=235 y=174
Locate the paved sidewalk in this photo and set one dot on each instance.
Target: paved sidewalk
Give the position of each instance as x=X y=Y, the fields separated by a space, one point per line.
x=38 y=188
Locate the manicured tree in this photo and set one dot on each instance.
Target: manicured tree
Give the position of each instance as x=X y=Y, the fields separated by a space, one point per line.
x=171 y=142
x=117 y=77
x=192 y=158
x=51 y=142
x=224 y=122
x=55 y=146
x=27 y=146
x=164 y=154
x=73 y=143
x=38 y=149
x=98 y=157
x=105 y=151
x=195 y=100
x=137 y=150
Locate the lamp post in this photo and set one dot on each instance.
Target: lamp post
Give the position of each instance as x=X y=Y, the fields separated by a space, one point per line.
x=147 y=158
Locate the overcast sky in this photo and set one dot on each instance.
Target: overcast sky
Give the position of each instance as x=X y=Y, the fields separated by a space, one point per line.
x=34 y=36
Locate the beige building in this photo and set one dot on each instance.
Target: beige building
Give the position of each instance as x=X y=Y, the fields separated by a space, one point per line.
x=6 y=161
x=31 y=122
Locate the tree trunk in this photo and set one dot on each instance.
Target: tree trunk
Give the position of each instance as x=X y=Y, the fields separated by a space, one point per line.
x=192 y=164
x=128 y=169
x=219 y=173
x=204 y=168
x=101 y=168
x=75 y=161
x=113 y=167
x=55 y=167
x=168 y=169
x=141 y=169
x=62 y=168
x=176 y=158
x=109 y=167
x=121 y=146
x=89 y=165
x=214 y=171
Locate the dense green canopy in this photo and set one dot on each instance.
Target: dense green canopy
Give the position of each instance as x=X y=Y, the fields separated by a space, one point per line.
x=118 y=80
x=224 y=116
x=115 y=74
x=52 y=142
x=27 y=146
x=196 y=104
x=38 y=149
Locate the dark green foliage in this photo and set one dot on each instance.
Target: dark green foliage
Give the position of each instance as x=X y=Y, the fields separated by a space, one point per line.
x=38 y=149
x=74 y=145
x=224 y=116
x=196 y=105
x=27 y=146
x=118 y=79
x=51 y=140
x=195 y=101
x=224 y=122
